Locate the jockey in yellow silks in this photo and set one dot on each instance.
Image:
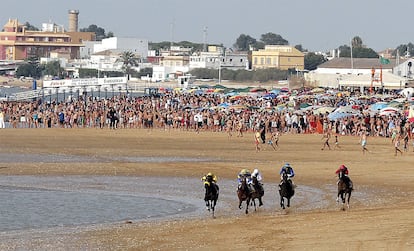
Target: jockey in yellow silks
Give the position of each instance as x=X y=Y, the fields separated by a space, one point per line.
x=208 y=178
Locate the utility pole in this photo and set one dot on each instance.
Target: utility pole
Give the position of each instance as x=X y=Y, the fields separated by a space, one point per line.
x=205 y=39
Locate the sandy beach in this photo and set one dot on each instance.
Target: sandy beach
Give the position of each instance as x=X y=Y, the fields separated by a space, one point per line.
x=381 y=221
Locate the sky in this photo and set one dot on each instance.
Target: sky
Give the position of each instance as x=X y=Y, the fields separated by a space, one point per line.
x=317 y=25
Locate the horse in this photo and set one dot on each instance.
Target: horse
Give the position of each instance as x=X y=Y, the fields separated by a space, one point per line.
x=257 y=194
x=344 y=190
x=285 y=191
x=211 y=196
x=243 y=192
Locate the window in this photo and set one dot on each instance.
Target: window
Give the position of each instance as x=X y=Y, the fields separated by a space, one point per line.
x=268 y=61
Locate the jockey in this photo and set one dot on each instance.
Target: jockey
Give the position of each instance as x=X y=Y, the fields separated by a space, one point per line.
x=344 y=170
x=245 y=173
x=209 y=178
x=257 y=178
x=286 y=168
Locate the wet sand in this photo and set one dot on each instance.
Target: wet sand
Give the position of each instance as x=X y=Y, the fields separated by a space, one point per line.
x=380 y=217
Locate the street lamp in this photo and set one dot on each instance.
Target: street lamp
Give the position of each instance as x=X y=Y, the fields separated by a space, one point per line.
x=57 y=94
x=219 y=73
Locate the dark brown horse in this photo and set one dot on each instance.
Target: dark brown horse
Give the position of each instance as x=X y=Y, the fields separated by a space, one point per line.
x=285 y=191
x=244 y=194
x=345 y=188
x=211 y=196
x=257 y=193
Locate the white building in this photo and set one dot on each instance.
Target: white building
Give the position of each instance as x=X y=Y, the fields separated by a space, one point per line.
x=136 y=45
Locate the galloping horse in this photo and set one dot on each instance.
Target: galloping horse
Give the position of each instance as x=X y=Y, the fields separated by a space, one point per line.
x=211 y=196
x=285 y=191
x=243 y=192
x=257 y=194
x=344 y=189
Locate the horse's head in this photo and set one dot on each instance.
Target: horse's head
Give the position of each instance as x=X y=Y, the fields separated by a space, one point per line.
x=284 y=176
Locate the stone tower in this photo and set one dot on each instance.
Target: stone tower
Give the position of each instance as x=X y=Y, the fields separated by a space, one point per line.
x=73 y=20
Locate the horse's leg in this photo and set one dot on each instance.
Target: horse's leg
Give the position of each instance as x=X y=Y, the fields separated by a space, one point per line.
x=207 y=205
x=254 y=204
x=288 y=202
x=282 y=202
x=349 y=197
x=247 y=205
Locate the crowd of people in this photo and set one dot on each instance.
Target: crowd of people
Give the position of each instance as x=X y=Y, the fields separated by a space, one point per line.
x=203 y=112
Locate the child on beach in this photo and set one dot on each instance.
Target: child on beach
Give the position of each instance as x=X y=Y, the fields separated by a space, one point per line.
x=336 y=142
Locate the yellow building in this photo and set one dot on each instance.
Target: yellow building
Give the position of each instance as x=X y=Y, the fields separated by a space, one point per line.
x=282 y=57
x=175 y=61
x=17 y=43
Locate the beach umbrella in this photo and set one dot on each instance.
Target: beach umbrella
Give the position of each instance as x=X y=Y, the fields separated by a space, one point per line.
x=258 y=89
x=224 y=105
x=270 y=96
x=388 y=111
x=253 y=107
x=304 y=105
x=324 y=109
x=275 y=91
x=318 y=90
x=378 y=106
x=339 y=115
x=238 y=107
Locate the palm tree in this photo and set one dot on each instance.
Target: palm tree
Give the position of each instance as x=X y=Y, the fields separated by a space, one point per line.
x=128 y=60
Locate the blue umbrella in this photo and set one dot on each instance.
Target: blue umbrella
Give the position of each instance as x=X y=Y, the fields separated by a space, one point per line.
x=224 y=105
x=339 y=115
x=378 y=106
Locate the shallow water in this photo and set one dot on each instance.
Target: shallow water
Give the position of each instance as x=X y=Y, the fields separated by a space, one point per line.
x=47 y=213
x=36 y=202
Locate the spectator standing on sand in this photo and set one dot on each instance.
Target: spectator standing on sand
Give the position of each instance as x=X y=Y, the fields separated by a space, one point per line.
x=406 y=138
x=363 y=141
x=397 y=145
x=257 y=139
x=274 y=140
x=2 y=124
x=327 y=137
